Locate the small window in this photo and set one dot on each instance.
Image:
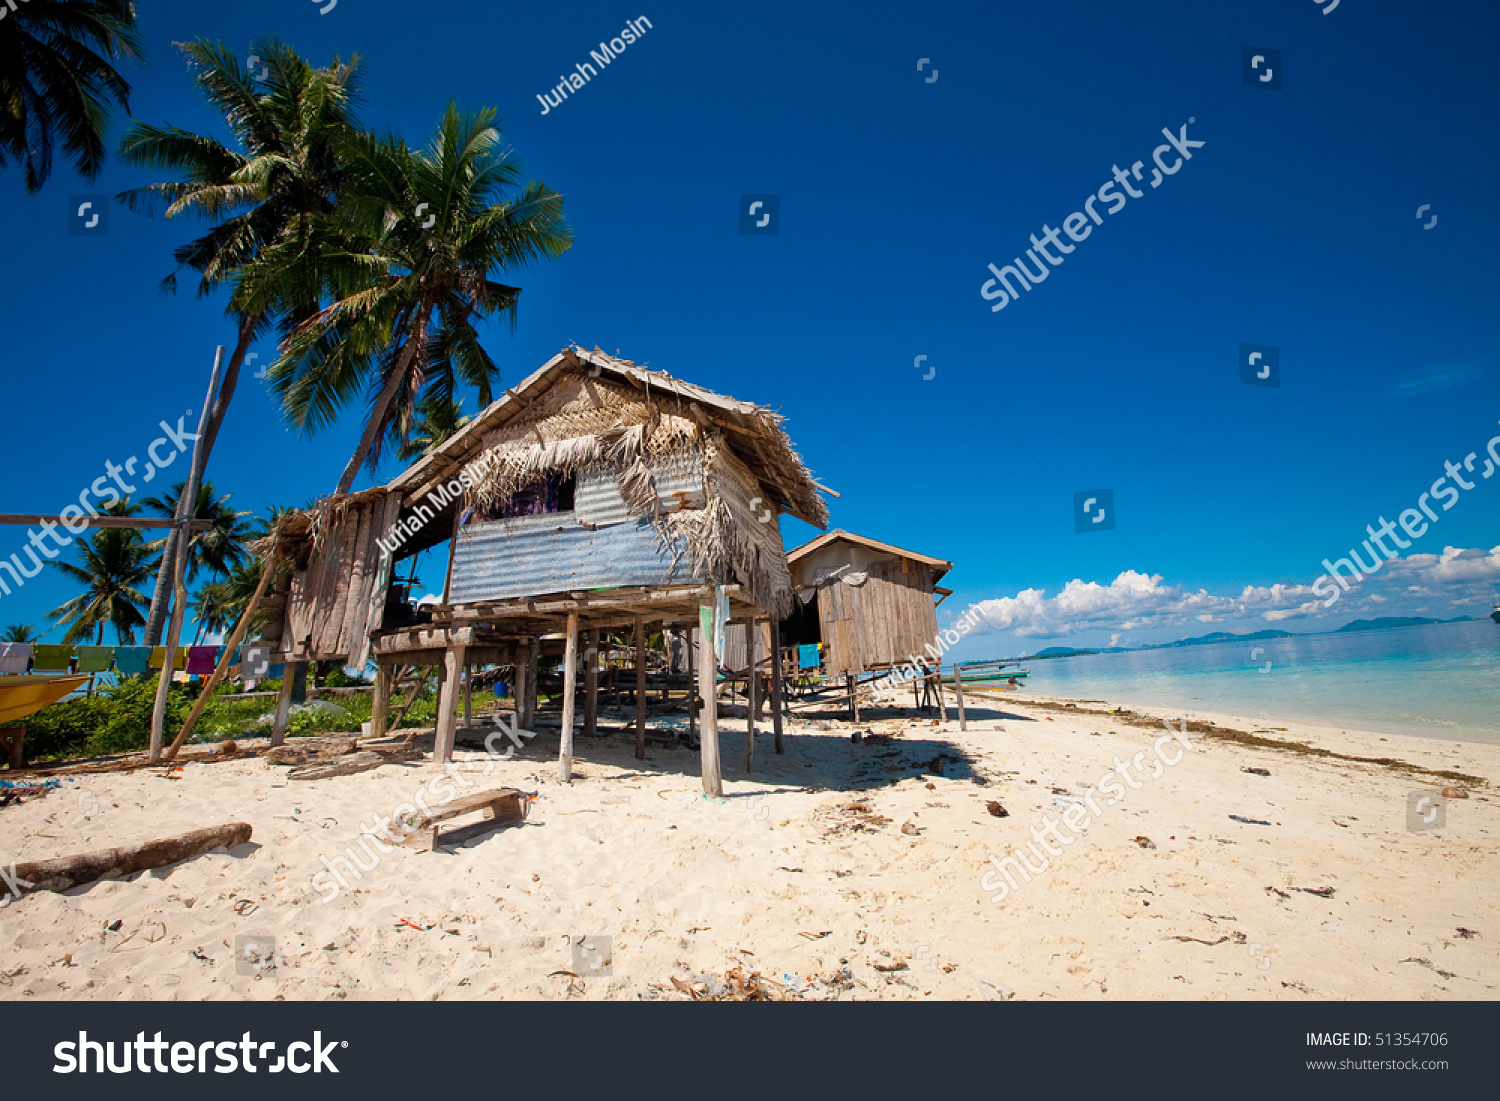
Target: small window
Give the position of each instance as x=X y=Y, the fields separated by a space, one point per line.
x=553 y=494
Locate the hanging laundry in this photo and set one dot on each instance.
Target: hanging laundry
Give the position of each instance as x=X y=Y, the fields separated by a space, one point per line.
x=807 y=656
x=95 y=659
x=159 y=657
x=15 y=657
x=202 y=659
x=132 y=661
x=49 y=658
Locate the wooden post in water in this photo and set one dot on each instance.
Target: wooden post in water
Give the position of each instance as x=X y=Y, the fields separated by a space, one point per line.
x=958 y=689
x=591 y=686
x=776 y=684
x=713 y=780
x=570 y=686
x=640 y=689
x=179 y=583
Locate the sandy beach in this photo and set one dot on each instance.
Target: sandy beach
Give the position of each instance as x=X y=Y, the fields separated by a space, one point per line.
x=839 y=870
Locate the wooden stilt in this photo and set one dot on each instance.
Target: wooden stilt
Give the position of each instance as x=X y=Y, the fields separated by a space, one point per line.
x=937 y=684
x=518 y=692
x=640 y=689
x=468 y=694
x=752 y=638
x=533 y=671
x=380 y=706
x=776 y=684
x=692 y=697
x=591 y=687
x=283 y=706
x=958 y=689
x=447 y=704
x=570 y=686
x=713 y=780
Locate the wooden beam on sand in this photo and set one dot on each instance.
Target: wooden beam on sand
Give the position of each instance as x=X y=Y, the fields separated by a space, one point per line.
x=570 y=686
x=66 y=872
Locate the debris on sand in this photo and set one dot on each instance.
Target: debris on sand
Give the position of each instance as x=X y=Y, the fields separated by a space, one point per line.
x=737 y=987
x=1455 y=793
x=1144 y=842
x=1257 y=771
x=996 y=809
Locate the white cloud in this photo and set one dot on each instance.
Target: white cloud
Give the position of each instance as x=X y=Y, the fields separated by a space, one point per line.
x=1135 y=601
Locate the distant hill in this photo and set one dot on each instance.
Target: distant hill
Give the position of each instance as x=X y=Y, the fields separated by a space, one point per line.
x=1386 y=623
x=1061 y=652
x=1221 y=636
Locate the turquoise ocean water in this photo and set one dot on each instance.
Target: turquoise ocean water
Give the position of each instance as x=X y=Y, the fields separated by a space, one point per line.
x=1441 y=680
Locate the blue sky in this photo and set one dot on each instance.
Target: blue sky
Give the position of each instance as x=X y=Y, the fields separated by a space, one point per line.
x=1294 y=226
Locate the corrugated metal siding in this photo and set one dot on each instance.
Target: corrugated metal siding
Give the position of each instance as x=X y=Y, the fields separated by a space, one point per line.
x=597 y=497
x=537 y=555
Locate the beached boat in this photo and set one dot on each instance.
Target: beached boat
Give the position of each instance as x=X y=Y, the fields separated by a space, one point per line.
x=22 y=696
x=991 y=672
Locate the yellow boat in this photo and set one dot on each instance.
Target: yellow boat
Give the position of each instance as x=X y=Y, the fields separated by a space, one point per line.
x=22 y=696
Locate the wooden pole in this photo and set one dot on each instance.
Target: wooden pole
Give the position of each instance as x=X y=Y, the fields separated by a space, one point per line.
x=385 y=677
x=692 y=699
x=179 y=583
x=752 y=700
x=235 y=638
x=936 y=680
x=958 y=689
x=776 y=684
x=570 y=685
x=533 y=679
x=447 y=704
x=713 y=780
x=640 y=689
x=283 y=706
x=518 y=700
x=468 y=695
x=591 y=687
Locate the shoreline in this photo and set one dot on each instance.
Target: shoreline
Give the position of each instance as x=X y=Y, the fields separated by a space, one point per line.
x=841 y=870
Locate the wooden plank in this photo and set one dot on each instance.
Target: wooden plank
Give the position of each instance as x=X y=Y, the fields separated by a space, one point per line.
x=346 y=765
x=385 y=678
x=713 y=780
x=570 y=686
x=356 y=571
x=283 y=704
x=640 y=689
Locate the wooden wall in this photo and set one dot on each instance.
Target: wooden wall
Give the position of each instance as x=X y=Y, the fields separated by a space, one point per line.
x=884 y=621
x=339 y=598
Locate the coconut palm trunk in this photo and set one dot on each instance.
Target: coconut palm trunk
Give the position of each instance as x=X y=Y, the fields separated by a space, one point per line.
x=376 y=424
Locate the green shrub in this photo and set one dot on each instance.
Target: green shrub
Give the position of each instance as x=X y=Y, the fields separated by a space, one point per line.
x=116 y=720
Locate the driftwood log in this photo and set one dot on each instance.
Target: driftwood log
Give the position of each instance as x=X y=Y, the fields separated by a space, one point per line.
x=63 y=872
x=306 y=750
x=346 y=765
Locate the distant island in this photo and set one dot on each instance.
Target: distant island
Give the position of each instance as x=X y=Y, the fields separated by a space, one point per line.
x=1384 y=623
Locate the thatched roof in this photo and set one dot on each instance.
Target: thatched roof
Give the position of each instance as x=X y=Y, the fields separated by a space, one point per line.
x=752 y=432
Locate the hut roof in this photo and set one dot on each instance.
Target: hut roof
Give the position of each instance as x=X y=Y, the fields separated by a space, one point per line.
x=940 y=566
x=753 y=432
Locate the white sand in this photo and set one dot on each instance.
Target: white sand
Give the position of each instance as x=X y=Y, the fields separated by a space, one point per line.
x=779 y=879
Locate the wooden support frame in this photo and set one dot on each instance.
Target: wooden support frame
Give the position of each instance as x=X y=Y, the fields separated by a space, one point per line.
x=380 y=706
x=752 y=700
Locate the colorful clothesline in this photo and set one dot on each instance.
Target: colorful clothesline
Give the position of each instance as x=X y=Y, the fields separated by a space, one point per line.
x=24 y=657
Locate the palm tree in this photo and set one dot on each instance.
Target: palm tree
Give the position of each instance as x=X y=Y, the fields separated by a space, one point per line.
x=437 y=420
x=115 y=562
x=287 y=120
x=57 y=81
x=221 y=603
x=220 y=547
x=21 y=632
x=406 y=266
